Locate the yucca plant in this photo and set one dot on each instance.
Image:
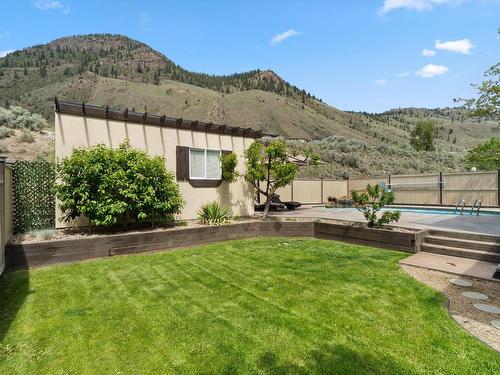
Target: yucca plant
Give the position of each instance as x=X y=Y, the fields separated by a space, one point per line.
x=213 y=213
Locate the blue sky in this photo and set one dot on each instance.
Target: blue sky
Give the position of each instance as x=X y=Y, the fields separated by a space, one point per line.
x=355 y=55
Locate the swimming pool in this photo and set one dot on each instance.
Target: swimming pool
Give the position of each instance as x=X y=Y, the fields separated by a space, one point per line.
x=433 y=210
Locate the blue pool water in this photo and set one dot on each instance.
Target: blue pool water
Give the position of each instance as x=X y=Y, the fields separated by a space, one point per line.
x=435 y=211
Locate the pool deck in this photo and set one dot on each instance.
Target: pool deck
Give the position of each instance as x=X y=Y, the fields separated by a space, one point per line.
x=420 y=220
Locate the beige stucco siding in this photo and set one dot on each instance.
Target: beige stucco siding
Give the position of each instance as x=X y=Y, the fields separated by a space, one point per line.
x=77 y=131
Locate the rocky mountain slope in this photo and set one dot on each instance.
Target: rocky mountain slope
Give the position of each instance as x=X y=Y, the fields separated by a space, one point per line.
x=117 y=71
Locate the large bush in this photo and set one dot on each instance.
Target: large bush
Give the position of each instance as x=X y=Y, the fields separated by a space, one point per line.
x=20 y=118
x=111 y=186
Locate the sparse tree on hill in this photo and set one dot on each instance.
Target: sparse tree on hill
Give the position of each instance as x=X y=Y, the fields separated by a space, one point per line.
x=43 y=70
x=422 y=137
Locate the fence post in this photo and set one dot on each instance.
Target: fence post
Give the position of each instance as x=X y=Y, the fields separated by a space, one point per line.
x=291 y=190
x=441 y=188
x=321 y=199
x=2 y=213
x=498 y=187
x=389 y=181
x=348 y=191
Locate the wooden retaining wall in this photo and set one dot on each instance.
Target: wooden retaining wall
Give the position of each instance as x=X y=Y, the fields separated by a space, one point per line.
x=389 y=239
x=44 y=253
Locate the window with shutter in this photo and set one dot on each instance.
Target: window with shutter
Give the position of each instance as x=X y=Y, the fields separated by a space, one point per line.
x=204 y=164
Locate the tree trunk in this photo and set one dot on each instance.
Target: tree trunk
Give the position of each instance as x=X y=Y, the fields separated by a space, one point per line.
x=266 y=207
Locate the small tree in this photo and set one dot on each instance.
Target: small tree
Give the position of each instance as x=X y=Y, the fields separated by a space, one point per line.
x=422 y=137
x=110 y=186
x=485 y=156
x=371 y=202
x=268 y=164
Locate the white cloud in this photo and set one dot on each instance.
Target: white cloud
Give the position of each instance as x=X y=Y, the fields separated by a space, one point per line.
x=419 y=5
x=431 y=70
x=51 y=5
x=403 y=74
x=461 y=46
x=5 y=53
x=283 y=36
x=428 y=52
x=380 y=82
x=48 y=4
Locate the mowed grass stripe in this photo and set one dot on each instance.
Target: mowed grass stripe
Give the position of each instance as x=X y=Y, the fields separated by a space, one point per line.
x=271 y=305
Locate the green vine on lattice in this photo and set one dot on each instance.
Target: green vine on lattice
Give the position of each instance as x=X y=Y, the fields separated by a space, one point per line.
x=33 y=195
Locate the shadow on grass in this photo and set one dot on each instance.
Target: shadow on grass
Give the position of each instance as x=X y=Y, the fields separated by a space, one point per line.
x=14 y=288
x=333 y=359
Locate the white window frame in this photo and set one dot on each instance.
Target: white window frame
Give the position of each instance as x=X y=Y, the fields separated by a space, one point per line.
x=205 y=158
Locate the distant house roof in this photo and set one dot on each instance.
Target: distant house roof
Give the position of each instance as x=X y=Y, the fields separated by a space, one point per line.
x=88 y=110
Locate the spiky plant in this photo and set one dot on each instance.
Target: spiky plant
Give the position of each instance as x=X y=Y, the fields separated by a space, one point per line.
x=213 y=213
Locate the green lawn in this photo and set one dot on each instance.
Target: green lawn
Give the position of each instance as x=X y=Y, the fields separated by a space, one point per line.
x=269 y=306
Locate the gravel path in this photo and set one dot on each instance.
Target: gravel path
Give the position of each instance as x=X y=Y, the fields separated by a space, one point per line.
x=476 y=322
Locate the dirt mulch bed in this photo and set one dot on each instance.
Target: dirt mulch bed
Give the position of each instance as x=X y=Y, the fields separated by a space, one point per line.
x=461 y=308
x=83 y=232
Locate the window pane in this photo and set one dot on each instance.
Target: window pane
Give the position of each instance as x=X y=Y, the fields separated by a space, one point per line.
x=197 y=163
x=213 y=164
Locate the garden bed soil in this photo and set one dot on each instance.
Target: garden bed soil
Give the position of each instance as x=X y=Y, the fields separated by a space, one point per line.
x=83 y=232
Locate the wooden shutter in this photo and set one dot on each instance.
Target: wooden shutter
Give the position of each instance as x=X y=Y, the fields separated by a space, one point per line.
x=182 y=163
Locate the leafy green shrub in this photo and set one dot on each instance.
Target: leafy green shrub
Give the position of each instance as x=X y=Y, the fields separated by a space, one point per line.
x=27 y=136
x=229 y=161
x=485 y=156
x=371 y=202
x=111 y=186
x=6 y=132
x=213 y=213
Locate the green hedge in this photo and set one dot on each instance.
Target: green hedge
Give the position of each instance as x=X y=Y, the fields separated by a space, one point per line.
x=33 y=195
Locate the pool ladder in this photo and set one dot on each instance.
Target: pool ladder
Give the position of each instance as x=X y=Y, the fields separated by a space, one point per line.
x=460 y=204
x=476 y=206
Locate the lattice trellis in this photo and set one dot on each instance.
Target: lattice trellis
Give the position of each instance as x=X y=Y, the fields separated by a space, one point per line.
x=33 y=195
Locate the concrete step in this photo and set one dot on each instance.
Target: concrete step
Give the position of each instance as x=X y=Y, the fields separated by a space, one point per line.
x=463 y=243
x=466 y=236
x=460 y=266
x=460 y=252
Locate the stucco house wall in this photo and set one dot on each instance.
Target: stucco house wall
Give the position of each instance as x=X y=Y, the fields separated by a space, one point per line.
x=73 y=131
